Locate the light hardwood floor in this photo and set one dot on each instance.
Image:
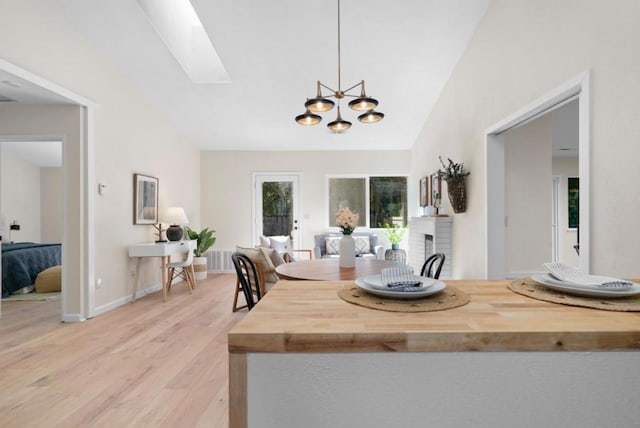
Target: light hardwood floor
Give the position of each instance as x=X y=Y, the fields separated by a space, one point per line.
x=145 y=364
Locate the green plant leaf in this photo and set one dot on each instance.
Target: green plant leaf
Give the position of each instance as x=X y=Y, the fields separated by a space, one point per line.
x=204 y=238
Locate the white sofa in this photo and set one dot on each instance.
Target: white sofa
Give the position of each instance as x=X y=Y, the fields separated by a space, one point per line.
x=326 y=245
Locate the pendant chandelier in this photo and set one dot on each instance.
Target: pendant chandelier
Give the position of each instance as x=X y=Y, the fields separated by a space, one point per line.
x=321 y=103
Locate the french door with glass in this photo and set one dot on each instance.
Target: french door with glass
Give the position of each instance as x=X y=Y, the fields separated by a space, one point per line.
x=276 y=199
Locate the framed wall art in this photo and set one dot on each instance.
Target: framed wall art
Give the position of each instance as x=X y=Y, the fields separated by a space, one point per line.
x=436 y=190
x=145 y=199
x=424 y=191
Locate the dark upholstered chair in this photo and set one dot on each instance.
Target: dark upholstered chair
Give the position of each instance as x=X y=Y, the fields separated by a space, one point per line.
x=432 y=266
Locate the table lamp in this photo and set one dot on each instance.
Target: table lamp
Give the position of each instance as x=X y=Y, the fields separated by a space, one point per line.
x=176 y=217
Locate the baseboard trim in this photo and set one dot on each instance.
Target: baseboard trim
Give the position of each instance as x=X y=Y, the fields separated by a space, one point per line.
x=73 y=318
x=124 y=300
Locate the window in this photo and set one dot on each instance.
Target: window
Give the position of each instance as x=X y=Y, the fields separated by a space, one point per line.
x=378 y=200
x=573 y=199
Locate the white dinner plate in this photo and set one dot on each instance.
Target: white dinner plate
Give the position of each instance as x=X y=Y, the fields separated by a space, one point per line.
x=376 y=281
x=548 y=281
x=433 y=288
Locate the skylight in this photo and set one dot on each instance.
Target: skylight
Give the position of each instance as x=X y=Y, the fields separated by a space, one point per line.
x=179 y=26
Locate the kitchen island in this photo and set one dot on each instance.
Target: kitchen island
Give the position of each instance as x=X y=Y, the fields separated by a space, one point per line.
x=304 y=357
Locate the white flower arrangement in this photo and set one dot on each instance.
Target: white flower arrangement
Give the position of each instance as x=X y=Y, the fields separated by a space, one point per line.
x=347 y=220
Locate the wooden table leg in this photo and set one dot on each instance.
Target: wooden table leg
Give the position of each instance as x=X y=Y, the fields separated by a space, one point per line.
x=238 y=390
x=136 y=279
x=164 y=277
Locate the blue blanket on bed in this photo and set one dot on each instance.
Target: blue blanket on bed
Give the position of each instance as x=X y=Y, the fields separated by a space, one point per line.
x=23 y=261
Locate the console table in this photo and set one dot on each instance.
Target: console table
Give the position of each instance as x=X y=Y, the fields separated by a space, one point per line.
x=160 y=249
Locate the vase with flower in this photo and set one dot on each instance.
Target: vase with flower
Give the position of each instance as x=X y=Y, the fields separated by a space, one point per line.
x=347 y=221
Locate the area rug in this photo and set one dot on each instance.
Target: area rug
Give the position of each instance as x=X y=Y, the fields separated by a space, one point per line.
x=32 y=297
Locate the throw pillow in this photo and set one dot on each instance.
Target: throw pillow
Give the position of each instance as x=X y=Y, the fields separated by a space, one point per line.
x=332 y=245
x=281 y=244
x=272 y=254
x=264 y=241
x=49 y=280
x=259 y=258
x=362 y=245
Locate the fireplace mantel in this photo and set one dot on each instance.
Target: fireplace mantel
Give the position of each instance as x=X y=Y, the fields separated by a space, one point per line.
x=439 y=229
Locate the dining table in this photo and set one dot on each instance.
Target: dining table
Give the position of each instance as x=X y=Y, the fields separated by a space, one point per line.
x=328 y=269
x=303 y=356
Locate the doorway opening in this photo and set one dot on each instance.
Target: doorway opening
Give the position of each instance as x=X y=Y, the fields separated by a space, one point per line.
x=71 y=123
x=496 y=176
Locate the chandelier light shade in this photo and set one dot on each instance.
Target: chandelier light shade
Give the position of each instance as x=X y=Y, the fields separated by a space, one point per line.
x=371 y=117
x=322 y=104
x=308 y=118
x=319 y=104
x=339 y=125
x=363 y=102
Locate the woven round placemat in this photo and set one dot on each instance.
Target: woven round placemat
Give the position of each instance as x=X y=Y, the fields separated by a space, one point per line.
x=448 y=298
x=528 y=287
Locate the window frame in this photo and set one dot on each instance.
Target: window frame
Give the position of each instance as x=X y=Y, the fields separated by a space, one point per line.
x=330 y=219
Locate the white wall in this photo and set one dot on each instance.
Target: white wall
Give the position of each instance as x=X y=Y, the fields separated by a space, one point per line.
x=129 y=137
x=52 y=204
x=528 y=197
x=523 y=49
x=20 y=198
x=227 y=187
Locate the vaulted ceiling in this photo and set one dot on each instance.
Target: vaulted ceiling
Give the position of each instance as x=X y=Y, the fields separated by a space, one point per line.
x=275 y=51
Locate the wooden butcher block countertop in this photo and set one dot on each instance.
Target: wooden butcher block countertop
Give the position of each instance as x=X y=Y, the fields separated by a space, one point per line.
x=309 y=316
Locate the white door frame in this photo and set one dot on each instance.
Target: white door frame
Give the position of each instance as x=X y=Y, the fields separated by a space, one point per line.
x=86 y=167
x=296 y=178
x=578 y=87
x=555 y=217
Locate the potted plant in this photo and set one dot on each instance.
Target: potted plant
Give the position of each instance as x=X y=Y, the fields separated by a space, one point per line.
x=454 y=175
x=394 y=234
x=204 y=241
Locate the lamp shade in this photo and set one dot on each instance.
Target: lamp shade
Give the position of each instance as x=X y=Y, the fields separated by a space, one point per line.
x=175 y=216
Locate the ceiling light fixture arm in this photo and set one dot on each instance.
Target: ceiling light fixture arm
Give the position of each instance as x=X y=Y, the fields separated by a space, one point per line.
x=340 y=94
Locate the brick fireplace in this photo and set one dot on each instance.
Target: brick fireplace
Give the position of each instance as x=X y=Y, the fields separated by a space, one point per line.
x=428 y=235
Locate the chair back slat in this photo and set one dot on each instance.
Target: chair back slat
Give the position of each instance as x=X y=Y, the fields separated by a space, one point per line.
x=247 y=277
x=432 y=266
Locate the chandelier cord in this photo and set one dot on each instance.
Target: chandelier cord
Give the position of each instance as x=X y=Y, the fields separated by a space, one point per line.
x=339 y=84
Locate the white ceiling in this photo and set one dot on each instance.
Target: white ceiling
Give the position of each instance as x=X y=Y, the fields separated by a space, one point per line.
x=275 y=52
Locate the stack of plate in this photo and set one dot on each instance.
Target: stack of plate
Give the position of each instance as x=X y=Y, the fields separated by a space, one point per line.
x=597 y=286
x=374 y=284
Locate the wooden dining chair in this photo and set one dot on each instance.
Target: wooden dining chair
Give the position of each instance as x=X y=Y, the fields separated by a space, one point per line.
x=248 y=280
x=432 y=266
